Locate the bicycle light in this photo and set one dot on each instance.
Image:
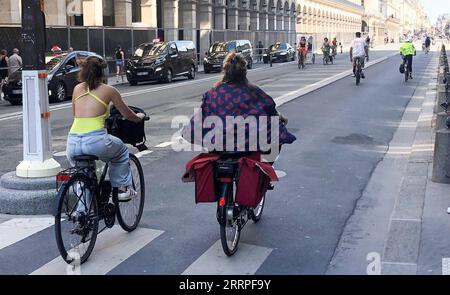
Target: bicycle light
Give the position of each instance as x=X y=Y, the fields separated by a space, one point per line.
x=222 y=202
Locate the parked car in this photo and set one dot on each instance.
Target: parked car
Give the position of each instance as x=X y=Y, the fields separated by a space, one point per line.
x=213 y=60
x=280 y=51
x=162 y=61
x=62 y=77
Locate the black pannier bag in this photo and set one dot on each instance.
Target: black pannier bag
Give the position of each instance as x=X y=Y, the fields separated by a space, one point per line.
x=129 y=132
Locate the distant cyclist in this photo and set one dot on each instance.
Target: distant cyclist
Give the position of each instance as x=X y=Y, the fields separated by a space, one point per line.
x=302 y=48
x=407 y=50
x=359 y=50
x=427 y=44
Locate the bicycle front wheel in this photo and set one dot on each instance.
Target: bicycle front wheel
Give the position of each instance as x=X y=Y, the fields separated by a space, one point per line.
x=76 y=220
x=129 y=213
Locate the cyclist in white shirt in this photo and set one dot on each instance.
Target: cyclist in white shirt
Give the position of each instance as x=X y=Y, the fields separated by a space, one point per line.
x=359 y=50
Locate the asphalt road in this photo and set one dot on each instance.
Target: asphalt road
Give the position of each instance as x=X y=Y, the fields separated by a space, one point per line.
x=343 y=132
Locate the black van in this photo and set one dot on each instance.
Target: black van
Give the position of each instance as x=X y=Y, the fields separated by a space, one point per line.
x=62 y=77
x=219 y=50
x=162 y=61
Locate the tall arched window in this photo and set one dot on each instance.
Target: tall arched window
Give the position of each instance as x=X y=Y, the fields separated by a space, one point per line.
x=108 y=13
x=137 y=11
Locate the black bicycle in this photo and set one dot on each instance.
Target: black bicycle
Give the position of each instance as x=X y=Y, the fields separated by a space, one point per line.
x=231 y=216
x=85 y=198
x=301 y=61
x=358 y=73
x=406 y=67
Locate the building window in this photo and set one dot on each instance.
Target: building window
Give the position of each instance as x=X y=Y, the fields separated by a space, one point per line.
x=137 y=11
x=362 y=3
x=108 y=13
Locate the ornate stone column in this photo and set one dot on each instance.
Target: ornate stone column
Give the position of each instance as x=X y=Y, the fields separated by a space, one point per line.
x=170 y=19
x=123 y=13
x=149 y=13
x=93 y=12
x=190 y=19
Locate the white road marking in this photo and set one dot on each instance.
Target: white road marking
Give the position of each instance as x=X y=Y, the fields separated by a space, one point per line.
x=112 y=248
x=17 y=229
x=280 y=173
x=164 y=144
x=60 y=154
x=17 y=115
x=143 y=153
x=446 y=266
x=246 y=261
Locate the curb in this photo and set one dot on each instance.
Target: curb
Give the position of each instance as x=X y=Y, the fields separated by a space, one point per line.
x=402 y=244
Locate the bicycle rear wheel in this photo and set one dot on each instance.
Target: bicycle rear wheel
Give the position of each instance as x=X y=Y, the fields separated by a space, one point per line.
x=256 y=213
x=230 y=231
x=230 y=234
x=406 y=73
x=129 y=213
x=76 y=220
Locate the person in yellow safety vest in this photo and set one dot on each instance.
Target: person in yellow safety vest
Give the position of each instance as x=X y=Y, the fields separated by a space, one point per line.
x=407 y=50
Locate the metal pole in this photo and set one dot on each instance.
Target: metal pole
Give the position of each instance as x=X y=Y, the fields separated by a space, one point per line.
x=103 y=42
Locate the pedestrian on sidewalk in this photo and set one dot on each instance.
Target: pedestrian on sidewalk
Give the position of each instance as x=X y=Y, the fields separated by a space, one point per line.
x=15 y=61
x=260 y=47
x=120 y=63
x=3 y=69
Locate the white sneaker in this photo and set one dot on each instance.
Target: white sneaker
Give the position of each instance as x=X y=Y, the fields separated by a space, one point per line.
x=448 y=210
x=126 y=194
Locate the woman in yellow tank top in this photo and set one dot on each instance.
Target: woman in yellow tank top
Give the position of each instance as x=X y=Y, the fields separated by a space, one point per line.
x=88 y=135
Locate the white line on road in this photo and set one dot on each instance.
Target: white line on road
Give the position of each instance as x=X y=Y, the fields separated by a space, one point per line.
x=143 y=153
x=247 y=260
x=17 y=229
x=60 y=154
x=280 y=173
x=164 y=144
x=113 y=247
x=17 y=115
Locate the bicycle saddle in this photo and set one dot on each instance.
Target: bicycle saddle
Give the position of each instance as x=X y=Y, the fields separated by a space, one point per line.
x=85 y=158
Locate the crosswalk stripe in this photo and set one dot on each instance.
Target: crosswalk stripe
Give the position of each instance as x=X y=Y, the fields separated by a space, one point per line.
x=143 y=153
x=113 y=246
x=246 y=261
x=164 y=144
x=17 y=229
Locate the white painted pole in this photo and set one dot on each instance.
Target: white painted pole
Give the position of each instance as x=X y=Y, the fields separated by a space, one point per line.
x=37 y=140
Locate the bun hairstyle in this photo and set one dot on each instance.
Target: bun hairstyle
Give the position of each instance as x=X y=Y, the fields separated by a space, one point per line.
x=92 y=71
x=234 y=69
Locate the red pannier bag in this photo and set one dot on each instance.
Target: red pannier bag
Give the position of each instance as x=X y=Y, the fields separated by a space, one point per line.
x=253 y=181
x=201 y=170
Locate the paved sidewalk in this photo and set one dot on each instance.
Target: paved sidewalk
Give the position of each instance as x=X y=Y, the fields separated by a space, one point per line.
x=384 y=234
